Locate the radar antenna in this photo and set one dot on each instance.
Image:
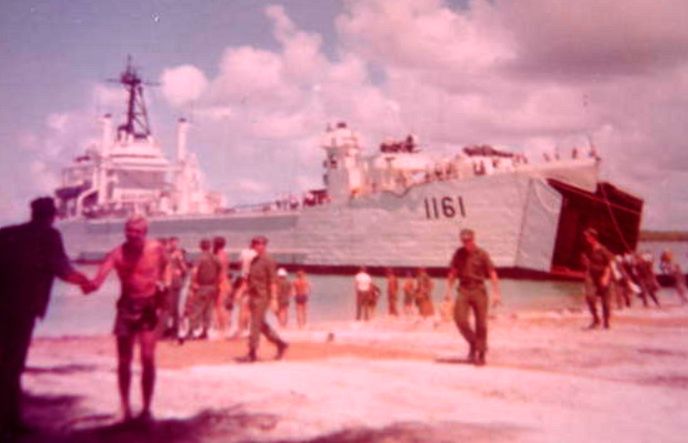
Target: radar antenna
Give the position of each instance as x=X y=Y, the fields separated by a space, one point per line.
x=136 y=124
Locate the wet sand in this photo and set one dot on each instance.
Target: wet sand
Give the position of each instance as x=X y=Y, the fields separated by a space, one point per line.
x=547 y=379
x=172 y=355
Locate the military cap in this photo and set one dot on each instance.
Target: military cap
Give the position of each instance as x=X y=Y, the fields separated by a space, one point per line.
x=467 y=234
x=259 y=240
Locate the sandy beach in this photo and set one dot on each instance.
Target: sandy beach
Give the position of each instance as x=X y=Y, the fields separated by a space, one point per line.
x=547 y=379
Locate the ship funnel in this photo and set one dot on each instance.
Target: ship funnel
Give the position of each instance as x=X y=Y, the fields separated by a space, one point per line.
x=182 y=171
x=182 y=131
x=106 y=135
x=101 y=165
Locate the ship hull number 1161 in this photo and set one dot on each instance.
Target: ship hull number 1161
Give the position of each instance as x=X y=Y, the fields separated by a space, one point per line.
x=444 y=207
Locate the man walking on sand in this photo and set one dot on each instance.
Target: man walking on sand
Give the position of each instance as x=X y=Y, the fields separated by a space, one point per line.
x=597 y=260
x=31 y=256
x=262 y=288
x=472 y=265
x=392 y=292
x=140 y=264
x=363 y=287
x=205 y=283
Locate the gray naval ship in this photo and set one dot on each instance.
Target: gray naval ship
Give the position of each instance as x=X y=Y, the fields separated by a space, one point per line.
x=399 y=207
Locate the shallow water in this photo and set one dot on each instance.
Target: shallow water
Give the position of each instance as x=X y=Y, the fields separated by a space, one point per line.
x=72 y=313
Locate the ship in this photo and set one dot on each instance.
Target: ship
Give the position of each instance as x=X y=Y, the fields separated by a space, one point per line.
x=399 y=207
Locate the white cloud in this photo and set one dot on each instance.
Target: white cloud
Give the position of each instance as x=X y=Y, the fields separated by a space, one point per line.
x=532 y=75
x=215 y=113
x=183 y=84
x=44 y=177
x=58 y=122
x=598 y=36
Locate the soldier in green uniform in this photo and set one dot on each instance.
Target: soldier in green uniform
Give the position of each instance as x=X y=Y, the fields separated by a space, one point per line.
x=597 y=260
x=472 y=265
x=262 y=288
x=424 y=287
x=205 y=282
x=392 y=292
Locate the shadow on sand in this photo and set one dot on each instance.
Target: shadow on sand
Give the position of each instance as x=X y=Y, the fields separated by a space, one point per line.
x=415 y=432
x=454 y=360
x=60 y=370
x=60 y=419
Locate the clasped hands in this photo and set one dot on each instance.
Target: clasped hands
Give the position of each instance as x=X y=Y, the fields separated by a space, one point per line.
x=88 y=286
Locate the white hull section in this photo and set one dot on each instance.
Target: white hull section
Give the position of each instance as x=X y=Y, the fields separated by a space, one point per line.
x=515 y=218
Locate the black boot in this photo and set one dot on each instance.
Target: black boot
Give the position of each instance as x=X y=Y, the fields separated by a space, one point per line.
x=281 y=349
x=470 y=358
x=480 y=359
x=248 y=358
x=594 y=324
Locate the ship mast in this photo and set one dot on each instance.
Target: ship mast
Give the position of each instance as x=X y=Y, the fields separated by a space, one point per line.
x=136 y=125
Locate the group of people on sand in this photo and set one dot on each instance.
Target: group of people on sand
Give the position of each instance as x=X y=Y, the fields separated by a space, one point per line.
x=152 y=276
x=416 y=287
x=620 y=278
x=200 y=295
x=471 y=266
x=32 y=255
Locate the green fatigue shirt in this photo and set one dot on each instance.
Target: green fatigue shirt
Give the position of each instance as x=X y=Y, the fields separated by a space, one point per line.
x=471 y=268
x=283 y=291
x=209 y=268
x=424 y=284
x=177 y=263
x=596 y=261
x=262 y=274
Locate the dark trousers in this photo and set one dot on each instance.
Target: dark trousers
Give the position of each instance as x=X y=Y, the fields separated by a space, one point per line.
x=474 y=299
x=622 y=293
x=170 y=316
x=15 y=337
x=362 y=308
x=202 y=307
x=604 y=294
x=648 y=289
x=259 y=306
x=392 y=301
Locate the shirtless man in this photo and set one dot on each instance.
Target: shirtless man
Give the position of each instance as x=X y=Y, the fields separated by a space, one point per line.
x=140 y=265
x=302 y=290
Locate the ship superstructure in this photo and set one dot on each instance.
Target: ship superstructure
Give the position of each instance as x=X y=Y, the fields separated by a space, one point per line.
x=127 y=172
x=401 y=206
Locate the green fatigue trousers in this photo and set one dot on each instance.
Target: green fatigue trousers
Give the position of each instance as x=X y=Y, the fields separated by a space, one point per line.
x=259 y=306
x=475 y=299
x=202 y=307
x=362 y=304
x=592 y=292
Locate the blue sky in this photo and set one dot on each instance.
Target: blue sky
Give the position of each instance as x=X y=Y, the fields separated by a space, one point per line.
x=261 y=79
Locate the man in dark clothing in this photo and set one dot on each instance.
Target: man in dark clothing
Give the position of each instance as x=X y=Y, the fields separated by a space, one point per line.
x=205 y=284
x=262 y=288
x=472 y=265
x=597 y=260
x=392 y=292
x=647 y=278
x=31 y=256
